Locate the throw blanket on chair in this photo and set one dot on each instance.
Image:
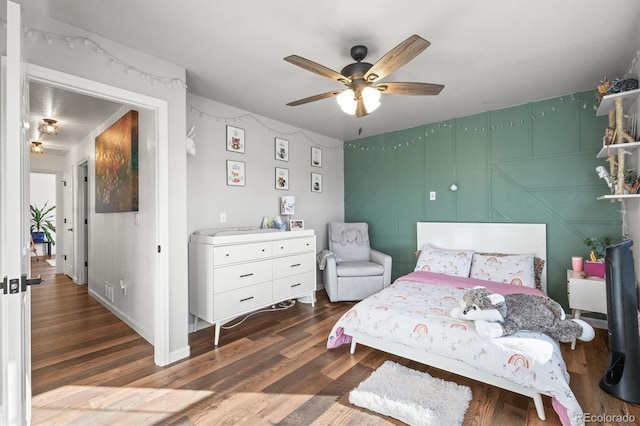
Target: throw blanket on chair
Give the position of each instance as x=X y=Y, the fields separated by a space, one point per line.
x=345 y=233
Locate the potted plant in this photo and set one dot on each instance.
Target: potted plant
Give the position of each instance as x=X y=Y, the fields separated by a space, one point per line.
x=597 y=245
x=41 y=223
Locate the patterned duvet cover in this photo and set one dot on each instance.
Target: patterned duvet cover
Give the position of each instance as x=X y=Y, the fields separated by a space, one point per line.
x=414 y=311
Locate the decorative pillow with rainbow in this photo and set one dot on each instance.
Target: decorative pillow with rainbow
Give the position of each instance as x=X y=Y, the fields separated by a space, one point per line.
x=443 y=261
x=514 y=269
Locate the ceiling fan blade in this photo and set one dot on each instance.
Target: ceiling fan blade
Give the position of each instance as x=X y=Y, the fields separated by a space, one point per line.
x=397 y=57
x=317 y=68
x=315 y=98
x=418 y=89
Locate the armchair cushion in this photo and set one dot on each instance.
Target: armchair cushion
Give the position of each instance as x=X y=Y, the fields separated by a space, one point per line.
x=359 y=269
x=349 y=241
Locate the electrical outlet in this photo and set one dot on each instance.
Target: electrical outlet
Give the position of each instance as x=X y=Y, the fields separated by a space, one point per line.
x=108 y=292
x=223 y=217
x=432 y=195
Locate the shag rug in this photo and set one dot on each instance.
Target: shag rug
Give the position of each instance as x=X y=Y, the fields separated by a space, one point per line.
x=412 y=397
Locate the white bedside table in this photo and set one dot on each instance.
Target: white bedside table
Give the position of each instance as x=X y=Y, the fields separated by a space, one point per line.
x=585 y=294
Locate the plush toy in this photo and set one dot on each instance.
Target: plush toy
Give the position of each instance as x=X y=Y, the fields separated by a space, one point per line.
x=496 y=315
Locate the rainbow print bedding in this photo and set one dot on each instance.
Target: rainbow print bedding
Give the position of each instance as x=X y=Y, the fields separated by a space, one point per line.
x=414 y=311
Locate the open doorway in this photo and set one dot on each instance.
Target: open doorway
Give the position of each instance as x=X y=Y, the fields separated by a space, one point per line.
x=122 y=247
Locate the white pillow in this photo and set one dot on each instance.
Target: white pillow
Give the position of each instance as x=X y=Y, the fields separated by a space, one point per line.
x=443 y=261
x=514 y=269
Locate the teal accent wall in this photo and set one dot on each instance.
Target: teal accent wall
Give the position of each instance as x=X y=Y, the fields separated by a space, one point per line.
x=532 y=163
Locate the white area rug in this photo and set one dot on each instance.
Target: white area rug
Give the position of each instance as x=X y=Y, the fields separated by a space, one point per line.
x=412 y=396
x=51 y=262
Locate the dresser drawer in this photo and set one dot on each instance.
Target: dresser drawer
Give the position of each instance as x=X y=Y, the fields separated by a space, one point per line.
x=237 y=276
x=284 y=288
x=292 y=265
x=241 y=253
x=236 y=302
x=294 y=245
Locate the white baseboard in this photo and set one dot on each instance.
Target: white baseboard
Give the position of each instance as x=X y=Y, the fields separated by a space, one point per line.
x=146 y=335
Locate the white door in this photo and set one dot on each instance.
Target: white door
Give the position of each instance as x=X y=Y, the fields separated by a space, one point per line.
x=15 y=307
x=67 y=222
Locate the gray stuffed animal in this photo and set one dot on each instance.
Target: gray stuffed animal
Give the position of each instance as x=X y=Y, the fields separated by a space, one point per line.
x=496 y=315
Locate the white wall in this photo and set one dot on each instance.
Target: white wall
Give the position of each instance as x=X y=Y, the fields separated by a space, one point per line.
x=43 y=190
x=208 y=194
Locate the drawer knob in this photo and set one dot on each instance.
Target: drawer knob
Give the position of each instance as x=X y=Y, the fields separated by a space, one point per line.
x=295 y=264
x=296 y=285
x=246 y=275
x=246 y=298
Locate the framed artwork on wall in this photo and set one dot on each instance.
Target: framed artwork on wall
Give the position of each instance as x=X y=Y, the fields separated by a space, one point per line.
x=235 y=173
x=282 y=149
x=282 y=178
x=316 y=157
x=117 y=166
x=316 y=182
x=235 y=139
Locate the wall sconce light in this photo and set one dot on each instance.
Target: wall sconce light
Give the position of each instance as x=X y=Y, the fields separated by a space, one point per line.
x=36 y=147
x=48 y=127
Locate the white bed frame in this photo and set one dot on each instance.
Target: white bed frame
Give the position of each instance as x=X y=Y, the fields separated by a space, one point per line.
x=513 y=238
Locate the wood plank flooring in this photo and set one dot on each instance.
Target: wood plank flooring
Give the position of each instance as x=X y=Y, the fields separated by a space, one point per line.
x=89 y=368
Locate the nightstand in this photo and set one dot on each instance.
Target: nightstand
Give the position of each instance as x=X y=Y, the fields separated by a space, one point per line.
x=585 y=294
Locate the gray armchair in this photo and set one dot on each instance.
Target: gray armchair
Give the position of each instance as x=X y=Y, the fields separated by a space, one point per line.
x=352 y=270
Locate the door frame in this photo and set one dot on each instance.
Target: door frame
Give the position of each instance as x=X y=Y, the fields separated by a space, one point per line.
x=160 y=107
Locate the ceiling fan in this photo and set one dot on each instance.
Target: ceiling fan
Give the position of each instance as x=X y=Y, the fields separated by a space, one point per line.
x=363 y=79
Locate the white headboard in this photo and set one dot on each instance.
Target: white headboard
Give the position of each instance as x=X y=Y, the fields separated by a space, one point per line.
x=513 y=238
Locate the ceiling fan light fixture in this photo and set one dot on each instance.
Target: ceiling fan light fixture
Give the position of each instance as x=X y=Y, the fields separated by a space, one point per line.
x=36 y=147
x=48 y=127
x=371 y=98
x=347 y=101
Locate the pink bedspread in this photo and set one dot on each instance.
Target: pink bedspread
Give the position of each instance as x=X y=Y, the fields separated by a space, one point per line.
x=414 y=311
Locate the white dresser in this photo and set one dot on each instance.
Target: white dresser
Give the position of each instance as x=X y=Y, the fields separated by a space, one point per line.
x=234 y=272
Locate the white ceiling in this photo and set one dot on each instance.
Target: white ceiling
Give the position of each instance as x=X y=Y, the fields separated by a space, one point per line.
x=488 y=54
x=77 y=115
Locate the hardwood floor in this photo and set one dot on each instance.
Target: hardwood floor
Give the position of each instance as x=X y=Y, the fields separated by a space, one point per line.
x=90 y=368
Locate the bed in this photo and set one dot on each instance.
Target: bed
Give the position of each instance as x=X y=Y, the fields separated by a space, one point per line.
x=411 y=317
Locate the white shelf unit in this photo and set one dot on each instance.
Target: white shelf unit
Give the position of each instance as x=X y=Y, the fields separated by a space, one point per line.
x=607 y=104
x=608 y=101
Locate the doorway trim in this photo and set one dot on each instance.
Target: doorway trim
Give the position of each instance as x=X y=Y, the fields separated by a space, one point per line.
x=161 y=306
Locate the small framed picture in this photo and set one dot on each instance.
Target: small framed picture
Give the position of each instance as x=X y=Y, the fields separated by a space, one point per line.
x=282 y=178
x=316 y=182
x=235 y=139
x=282 y=149
x=296 y=224
x=316 y=157
x=235 y=173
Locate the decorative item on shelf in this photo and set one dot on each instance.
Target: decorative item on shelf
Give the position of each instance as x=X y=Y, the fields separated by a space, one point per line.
x=48 y=127
x=594 y=267
x=36 y=147
x=41 y=226
x=630 y=176
x=288 y=206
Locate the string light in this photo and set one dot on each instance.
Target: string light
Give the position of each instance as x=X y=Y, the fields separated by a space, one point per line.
x=430 y=129
x=74 y=41
x=275 y=132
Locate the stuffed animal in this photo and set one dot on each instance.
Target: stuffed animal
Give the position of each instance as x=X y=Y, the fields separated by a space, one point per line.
x=496 y=315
